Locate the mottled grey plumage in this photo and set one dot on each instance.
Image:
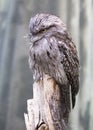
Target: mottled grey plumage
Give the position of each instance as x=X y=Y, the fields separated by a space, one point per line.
x=53 y=52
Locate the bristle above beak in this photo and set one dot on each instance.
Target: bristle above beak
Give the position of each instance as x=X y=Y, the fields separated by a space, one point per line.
x=28 y=36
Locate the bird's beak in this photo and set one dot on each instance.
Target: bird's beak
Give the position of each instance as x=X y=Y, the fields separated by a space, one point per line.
x=32 y=38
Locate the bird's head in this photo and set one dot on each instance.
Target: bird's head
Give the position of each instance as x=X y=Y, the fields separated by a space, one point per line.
x=40 y=24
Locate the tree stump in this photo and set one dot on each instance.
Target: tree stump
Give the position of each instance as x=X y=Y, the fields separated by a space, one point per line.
x=45 y=109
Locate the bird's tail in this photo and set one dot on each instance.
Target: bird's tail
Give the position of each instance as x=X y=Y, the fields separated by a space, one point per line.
x=65 y=99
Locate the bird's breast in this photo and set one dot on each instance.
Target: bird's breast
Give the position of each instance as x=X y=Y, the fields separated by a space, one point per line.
x=45 y=58
x=43 y=50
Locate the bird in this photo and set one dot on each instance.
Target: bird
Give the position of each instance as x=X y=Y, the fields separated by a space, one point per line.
x=53 y=52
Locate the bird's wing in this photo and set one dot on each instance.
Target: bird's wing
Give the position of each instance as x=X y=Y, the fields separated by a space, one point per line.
x=70 y=62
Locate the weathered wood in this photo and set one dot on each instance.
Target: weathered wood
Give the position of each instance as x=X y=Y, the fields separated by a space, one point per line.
x=45 y=109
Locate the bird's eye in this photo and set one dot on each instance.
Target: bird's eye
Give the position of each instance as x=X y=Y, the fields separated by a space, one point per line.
x=43 y=30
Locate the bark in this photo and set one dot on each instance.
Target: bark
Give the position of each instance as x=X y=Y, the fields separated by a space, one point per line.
x=45 y=109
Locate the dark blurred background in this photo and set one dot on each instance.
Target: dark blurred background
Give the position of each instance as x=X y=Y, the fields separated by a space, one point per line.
x=15 y=75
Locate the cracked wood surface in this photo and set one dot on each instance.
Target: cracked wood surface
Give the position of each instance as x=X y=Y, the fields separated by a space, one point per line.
x=45 y=109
